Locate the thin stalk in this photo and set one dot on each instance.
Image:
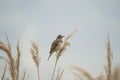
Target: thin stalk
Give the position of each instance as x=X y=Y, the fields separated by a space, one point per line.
x=24 y=75
x=54 y=69
x=38 y=73
x=5 y=68
x=18 y=61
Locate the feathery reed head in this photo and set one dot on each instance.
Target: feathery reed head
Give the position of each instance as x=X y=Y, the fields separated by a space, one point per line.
x=108 y=67
x=35 y=53
x=80 y=71
x=65 y=44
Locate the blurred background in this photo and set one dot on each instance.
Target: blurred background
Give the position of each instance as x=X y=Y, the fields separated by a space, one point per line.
x=43 y=20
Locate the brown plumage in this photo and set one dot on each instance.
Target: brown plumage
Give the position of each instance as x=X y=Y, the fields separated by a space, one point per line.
x=56 y=45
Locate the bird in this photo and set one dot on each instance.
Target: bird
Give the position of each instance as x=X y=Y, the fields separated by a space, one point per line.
x=56 y=45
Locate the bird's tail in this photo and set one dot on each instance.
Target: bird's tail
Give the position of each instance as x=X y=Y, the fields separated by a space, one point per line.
x=49 y=57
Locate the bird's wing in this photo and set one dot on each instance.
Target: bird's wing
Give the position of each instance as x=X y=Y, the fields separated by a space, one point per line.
x=54 y=44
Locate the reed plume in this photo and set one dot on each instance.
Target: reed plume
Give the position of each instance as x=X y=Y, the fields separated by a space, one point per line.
x=108 y=67
x=35 y=56
x=80 y=71
x=12 y=63
x=7 y=50
x=62 y=50
x=65 y=44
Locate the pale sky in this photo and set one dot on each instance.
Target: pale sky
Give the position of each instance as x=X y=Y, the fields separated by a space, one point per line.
x=43 y=20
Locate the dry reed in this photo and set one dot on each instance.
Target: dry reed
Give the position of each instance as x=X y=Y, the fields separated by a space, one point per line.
x=59 y=74
x=108 y=67
x=65 y=44
x=62 y=50
x=116 y=75
x=13 y=64
x=5 y=68
x=78 y=76
x=17 y=61
x=80 y=71
x=35 y=56
x=7 y=50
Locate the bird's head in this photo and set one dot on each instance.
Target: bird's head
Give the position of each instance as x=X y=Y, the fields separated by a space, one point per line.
x=59 y=36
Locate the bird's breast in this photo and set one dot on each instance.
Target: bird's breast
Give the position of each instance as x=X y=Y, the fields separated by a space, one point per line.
x=59 y=46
